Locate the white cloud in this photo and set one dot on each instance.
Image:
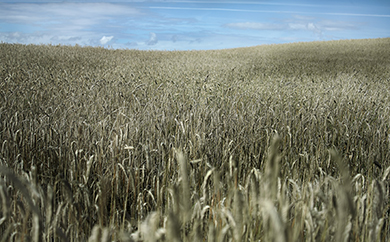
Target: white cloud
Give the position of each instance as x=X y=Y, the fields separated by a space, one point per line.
x=105 y=39
x=46 y=38
x=28 y=13
x=332 y=25
x=152 y=39
x=67 y=23
x=256 y=26
x=304 y=26
x=303 y=17
x=297 y=26
x=313 y=27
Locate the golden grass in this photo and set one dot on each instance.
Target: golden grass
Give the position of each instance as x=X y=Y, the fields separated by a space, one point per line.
x=269 y=143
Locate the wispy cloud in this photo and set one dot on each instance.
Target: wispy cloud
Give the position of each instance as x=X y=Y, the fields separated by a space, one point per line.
x=334 y=25
x=65 y=22
x=308 y=24
x=105 y=39
x=244 y=3
x=26 y=12
x=271 y=11
x=152 y=39
x=358 y=14
x=256 y=26
x=175 y=1
x=220 y=9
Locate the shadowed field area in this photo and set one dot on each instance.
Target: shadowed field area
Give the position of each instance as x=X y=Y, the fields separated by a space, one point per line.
x=270 y=143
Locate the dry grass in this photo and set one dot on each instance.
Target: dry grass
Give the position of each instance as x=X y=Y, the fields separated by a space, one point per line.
x=270 y=143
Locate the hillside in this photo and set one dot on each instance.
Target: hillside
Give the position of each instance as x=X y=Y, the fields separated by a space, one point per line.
x=279 y=142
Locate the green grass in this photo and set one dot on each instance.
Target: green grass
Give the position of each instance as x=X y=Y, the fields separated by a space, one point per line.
x=269 y=143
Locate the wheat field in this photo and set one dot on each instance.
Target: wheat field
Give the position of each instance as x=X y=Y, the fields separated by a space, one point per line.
x=283 y=142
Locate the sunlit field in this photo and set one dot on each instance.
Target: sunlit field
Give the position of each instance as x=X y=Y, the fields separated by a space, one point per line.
x=269 y=143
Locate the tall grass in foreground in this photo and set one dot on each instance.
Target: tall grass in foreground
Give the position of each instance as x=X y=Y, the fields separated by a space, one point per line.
x=271 y=143
x=264 y=206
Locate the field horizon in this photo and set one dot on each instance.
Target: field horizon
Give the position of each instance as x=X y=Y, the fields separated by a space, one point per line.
x=284 y=142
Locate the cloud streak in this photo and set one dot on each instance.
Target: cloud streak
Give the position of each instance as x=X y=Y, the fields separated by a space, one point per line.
x=246 y=3
x=295 y=25
x=255 y=26
x=26 y=12
x=272 y=11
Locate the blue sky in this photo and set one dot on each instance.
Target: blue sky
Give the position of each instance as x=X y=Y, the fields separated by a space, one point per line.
x=190 y=25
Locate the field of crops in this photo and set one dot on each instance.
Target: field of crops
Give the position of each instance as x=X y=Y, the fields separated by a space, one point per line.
x=270 y=143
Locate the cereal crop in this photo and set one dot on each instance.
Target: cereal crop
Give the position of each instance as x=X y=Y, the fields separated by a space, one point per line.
x=283 y=142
